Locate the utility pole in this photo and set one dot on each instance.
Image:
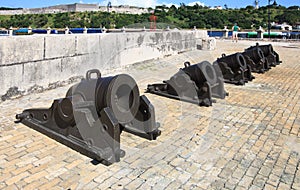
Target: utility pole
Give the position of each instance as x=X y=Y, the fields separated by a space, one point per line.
x=108 y=7
x=269 y=17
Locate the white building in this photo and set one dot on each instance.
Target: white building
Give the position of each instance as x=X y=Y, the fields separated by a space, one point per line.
x=124 y=9
x=282 y=26
x=77 y=7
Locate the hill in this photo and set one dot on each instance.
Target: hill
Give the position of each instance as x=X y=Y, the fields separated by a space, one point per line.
x=181 y=17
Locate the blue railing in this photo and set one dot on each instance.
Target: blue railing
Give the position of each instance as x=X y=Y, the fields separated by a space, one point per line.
x=284 y=34
x=25 y=31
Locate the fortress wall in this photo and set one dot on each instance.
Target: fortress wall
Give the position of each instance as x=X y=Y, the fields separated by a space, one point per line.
x=26 y=61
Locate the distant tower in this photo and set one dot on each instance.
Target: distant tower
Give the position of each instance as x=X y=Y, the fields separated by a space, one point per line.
x=109 y=6
x=256 y=4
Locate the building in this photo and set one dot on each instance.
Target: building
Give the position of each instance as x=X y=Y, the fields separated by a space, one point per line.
x=282 y=26
x=77 y=7
x=124 y=9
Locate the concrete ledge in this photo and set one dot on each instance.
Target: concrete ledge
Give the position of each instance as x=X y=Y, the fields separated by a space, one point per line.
x=20 y=49
x=60 y=46
x=43 y=59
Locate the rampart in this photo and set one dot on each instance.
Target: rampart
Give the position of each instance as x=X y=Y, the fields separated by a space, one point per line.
x=27 y=61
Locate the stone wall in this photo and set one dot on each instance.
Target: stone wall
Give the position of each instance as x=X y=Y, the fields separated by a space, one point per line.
x=26 y=61
x=76 y=7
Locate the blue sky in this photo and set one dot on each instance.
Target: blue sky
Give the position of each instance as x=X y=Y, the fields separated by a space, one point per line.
x=142 y=3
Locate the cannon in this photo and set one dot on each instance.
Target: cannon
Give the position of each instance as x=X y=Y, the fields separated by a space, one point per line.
x=93 y=114
x=234 y=69
x=255 y=58
x=196 y=84
x=269 y=53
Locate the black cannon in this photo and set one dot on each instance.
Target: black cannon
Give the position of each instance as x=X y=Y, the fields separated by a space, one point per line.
x=194 y=83
x=234 y=69
x=269 y=53
x=93 y=114
x=255 y=58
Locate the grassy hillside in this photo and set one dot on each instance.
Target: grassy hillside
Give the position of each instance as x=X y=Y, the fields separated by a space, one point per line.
x=181 y=17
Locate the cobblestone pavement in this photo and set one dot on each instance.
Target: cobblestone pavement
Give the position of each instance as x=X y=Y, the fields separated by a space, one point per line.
x=250 y=140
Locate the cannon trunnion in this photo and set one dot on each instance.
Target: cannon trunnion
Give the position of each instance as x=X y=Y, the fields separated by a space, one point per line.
x=93 y=114
x=271 y=56
x=234 y=69
x=197 y=84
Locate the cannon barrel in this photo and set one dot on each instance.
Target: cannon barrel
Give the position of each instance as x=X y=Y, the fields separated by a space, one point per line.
x=201 y=72
x=120 y=93
x=255 y=58
x=269 y=53
x=234 y=61
x=196 y=83
x=267 y=49
x=256 y=54
x=93 y=114
x=233 y=68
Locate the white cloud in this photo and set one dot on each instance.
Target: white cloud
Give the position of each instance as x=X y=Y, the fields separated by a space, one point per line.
x=137 y=3
x=196 y=2
x=169 y=4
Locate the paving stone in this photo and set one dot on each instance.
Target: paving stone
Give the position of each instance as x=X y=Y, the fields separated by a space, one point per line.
x=218 y=184
x=173 y=185
x=69 y=182
x=269 y=187
x=232 y=183
x=184 y=177
x=296 y=186
x=247 y=141
x=92 y=185
x=287 y=178
x=252 y=171
x=253 y=187
x=246 y=181
x=290 y=169
x=135 y=183
x=35 y=176
x=51 y=184
x=283 y=186
x=17 y=178
x=122 y=173
x=229 y=185
x=238 y=173
x=21 y=170
x=225 y=173
x=259 y=181
x=265 y=171
x=273 y=180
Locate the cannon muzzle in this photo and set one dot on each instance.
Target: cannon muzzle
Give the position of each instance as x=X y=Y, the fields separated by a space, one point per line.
x=255 y=58
x=269 y=53
x=196 y=83
x=234 y=69
x=93 y=114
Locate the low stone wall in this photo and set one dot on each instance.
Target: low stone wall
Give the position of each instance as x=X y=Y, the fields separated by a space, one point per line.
x=27 y=61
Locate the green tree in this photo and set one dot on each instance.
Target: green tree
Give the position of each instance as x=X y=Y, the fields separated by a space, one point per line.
x=61 y=20
x=40 y=21
x=182 y=17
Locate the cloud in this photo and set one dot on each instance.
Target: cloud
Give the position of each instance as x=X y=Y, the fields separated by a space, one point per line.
x=137 y=3
x=169 y=4
x=196 y=2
